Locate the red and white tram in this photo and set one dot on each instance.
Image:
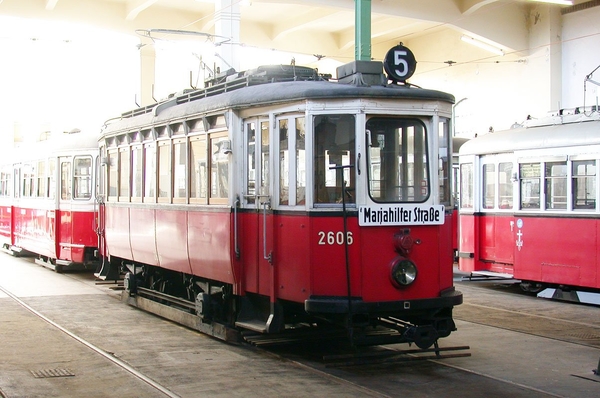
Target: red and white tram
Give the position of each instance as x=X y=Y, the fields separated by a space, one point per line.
x=47 y=201
x=529 y=205
x=276 y=197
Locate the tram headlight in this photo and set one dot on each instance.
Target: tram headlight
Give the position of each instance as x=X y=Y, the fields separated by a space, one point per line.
x=403 y=271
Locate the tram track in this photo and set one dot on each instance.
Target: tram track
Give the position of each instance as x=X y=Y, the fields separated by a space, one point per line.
x=123 y=365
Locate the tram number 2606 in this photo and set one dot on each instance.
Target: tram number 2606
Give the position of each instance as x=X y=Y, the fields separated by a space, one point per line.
x=334 y=238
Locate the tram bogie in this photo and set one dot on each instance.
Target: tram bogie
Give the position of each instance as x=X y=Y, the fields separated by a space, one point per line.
x=279 y=198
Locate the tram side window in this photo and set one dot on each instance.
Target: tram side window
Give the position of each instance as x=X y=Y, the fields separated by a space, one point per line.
x=398 y=162
x=334 y=152
x=28 y=173
x=489 y=186
x=136 y=173
x=443 y=161
x=164 y=169
x=300 y=161
x=284 y=166
x=150 y=172
x=584 y=184
x=505 y=185
x=219 y=168
x=41 y=179
x=5 y=183
x=198 y=171
x=113 y=173
x=83 y=177
x=51 y=178
x=556 y=185
x=124 y=174
x=530 y=185
x=180 y=165
x=466 y=186
x=65 y=180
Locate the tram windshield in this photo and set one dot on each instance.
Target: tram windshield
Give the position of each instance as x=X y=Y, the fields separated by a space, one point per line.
x=397 y=160
x=334 y=155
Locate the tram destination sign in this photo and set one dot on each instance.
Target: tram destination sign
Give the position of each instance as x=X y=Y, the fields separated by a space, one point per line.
x=401 y=214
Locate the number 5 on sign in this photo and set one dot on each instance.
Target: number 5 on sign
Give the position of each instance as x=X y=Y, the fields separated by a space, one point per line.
x=399 y=63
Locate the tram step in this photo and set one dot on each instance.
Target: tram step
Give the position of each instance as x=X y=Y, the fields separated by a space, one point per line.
x=253 y=324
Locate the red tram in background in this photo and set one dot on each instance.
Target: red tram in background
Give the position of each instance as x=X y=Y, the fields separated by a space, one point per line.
x=529 y=205
x=47 y=202
x=276 y=198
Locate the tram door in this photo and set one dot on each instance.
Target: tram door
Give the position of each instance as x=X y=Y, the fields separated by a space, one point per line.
x=64 y=216
x=258 y=214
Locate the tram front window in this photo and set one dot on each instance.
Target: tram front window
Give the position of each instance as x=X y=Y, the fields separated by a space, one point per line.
x=334 y=153
x=397 y=160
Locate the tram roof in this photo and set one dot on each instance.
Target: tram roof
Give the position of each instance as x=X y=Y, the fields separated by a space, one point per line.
x=556 y=132
x=194 y=102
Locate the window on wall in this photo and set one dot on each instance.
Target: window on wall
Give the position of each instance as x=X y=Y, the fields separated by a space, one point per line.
x=584 y=184
x=65 y=180
x=334 y=153
x=300 y=161
x=113 y=173
x=489 y=186
x=124 y=173
x=219 y=169
x=164 y=171
x=505 y=185
x=556 y=185
x=444 y=160
x=82 y=177
x=149 y=172
x=136 y=173
x=284 y=162
x=41 y=190
x=198 y=169
x=530 y=174
x=466 y=186
x=179 y=170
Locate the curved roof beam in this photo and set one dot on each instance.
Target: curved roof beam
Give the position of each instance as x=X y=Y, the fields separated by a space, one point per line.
x=135 y=7
x=50 y=4
x=470 y=6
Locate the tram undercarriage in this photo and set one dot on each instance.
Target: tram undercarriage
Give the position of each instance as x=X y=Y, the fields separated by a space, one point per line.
x=211 y=308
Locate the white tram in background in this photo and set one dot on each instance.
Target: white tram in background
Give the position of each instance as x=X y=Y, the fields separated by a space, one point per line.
x=277 y=197
x=529 y=205
x=47 y=201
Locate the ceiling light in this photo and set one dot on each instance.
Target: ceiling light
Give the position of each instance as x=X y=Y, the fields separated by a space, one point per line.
x=560 y=2
x=480 y=44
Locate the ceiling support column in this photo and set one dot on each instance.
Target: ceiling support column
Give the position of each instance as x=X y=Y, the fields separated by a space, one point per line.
x=227 y=24
x=362 y=40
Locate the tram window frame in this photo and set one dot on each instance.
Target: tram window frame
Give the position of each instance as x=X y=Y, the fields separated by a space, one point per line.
x=467 y=189
x=180 y=175
x=66 y=180
x=505 y=185
x=41 y=179
x=530 y=179
x=488 y=186
x=51 y=187
x=124 y=174
x=198 y=169
x=333 y=149
x=137 y=173
x=444 y=161
x=112 y=183
x=589 y=175
x=555 y=185
x=28 y=180
x=149 y=155
x=283 y=133
x=164 y=171
x=409 y=180
x=218 y=158
x=5 y=183
x=81 y=180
